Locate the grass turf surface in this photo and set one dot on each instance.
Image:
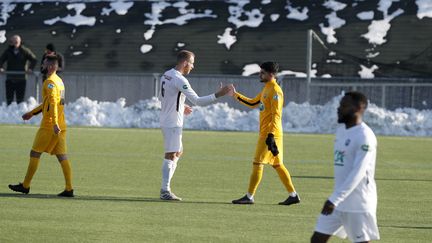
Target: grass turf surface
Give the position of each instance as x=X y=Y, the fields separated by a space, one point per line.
x=117 y=181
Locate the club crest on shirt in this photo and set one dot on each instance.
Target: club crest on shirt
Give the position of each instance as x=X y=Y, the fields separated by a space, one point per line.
x=365 y=147
x=185 y=86
x=347 y=142
x=261 y=106
x=276 y=97
x=339 y=158
x=50 y=86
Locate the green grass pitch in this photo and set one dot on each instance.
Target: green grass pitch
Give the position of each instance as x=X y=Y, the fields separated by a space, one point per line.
x=117 y=181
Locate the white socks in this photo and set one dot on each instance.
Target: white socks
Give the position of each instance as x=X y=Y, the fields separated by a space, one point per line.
x=168 y=169
x=251 y=197
x=293 y=194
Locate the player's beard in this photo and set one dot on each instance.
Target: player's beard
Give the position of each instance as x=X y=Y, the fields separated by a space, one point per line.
x=346 y=118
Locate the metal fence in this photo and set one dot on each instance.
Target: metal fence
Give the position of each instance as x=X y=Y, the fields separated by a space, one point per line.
x=388 y=93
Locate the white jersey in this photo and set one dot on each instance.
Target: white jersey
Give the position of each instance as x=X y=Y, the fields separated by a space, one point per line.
x=354 y=169
x=175 y=88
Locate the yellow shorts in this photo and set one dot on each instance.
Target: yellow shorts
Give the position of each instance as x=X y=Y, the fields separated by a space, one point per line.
x=264 y=156
x=47 y=141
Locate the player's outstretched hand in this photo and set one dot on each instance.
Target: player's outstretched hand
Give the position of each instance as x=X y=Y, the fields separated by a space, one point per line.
x=232 y=90
x=188 y=110
x=223 y=90
x=27 y=116
x=328 y=208
x=271 y=144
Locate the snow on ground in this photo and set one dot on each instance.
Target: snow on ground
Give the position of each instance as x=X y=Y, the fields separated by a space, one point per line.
x=241 y=17
x=2 y=36
x=227 y=39
x=78 y=19
x=366 y=72
x=303 y=118
x=424 y=8
x=145 y=48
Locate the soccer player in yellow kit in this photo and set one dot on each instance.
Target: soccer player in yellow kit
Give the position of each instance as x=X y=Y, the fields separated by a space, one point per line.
x=51 y=136
x=269 y=149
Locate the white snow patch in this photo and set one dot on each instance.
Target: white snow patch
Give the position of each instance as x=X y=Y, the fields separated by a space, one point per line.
x=334 y=5
x=366 y=72
x=76 y=19
x=424 y=8
x=327 y=75
x=250 y=69
x=240 y=17
x=227 y=39
x=264 y=2
x=181 y=44
x=27 y=6
x=118 y=31
x=274 y=17
x=304 y=118
x=300 y=14
x=2 y=36
x=77 y=53
x=120 y=7
x=372 y=55
x=367 y=15
x=338 y=61
x=186 y=15
x=334 y=23
x=5 y=11
x=145 y=48
x=377 y=30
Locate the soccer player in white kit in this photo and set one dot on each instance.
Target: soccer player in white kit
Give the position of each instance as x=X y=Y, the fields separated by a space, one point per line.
x=351 y=209
x=175 y=88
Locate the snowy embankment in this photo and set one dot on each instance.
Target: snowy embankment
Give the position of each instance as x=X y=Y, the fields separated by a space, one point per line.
x=303 y=118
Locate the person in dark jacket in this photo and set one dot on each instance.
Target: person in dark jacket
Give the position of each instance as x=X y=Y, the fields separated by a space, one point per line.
x=50 y=50
x=19 y=59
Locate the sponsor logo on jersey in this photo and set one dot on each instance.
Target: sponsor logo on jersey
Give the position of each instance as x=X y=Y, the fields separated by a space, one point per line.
x=365 y=147
x=50 y=86
x=347 y=142
x=261 y=106
x=339 y=158
x=185 y=86
x=276 y=97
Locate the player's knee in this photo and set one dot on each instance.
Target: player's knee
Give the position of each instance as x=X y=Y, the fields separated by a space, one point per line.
x=170 y=156
x=35 y=154
x=179 y=154
x=61 y=157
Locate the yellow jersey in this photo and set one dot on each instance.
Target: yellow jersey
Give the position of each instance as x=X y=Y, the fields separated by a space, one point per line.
x=270 y=101
x=52 y=107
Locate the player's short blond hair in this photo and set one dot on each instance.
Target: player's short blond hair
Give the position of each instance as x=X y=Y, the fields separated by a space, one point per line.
x=184 y=55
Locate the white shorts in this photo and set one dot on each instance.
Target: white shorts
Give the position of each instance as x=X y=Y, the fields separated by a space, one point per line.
x=172 y=139
x=358 y=227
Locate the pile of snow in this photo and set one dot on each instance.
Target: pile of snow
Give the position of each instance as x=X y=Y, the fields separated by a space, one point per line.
x=303 y=118
x=227 y=39
x=424 y=8
x=78 y=19
x=300 y=14
x=334 y=22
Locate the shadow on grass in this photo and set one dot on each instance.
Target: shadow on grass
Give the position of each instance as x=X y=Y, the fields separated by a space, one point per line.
x=406 y=227
x=105 y=198
x=378 y=179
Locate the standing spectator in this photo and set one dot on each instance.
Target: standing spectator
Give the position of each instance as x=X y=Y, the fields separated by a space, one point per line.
x=50 y=50
x=17 y=57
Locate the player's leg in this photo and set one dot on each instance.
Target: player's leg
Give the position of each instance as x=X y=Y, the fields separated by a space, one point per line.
x=31 y=170
x=9 y=91
x=286 y=180
x=318 y=237
x=20 y=90
x=261 y=152
x=60 y=150
x=173 y=150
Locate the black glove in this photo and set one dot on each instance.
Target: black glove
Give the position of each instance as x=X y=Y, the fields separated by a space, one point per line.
x=271 y=144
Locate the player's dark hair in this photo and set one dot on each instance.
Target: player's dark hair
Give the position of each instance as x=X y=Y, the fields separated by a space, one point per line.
x=184 y=55
x=51 y=59
x=358 y=98
x=270 y=67
x=50 y=47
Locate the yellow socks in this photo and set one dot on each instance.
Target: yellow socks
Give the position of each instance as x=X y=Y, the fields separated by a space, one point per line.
x=285 y=177
x=255 y=178
x=31 y=170
x=67 y=172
